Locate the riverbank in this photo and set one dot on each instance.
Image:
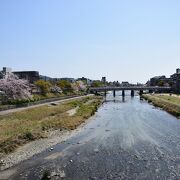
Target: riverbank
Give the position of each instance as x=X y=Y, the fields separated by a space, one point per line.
x=38 y=99
x=169 y=103
x=41 y=104
x=49 y=123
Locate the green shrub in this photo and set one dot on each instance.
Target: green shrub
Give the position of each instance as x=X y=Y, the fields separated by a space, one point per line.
x=29 y=136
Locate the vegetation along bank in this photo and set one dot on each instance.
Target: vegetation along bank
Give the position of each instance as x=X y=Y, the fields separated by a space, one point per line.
x=168 y=102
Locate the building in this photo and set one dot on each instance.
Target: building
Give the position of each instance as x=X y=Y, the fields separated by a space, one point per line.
x=115 y=83
x=5 y=72
x=125 y=83
x=159 y=81
x=103 y=80
x=175 y=80
x=71 y=80
x=88 y=81
x=31 y=76
x=45 y=78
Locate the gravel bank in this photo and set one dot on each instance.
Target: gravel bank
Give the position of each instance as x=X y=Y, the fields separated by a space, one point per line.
x=25 y=152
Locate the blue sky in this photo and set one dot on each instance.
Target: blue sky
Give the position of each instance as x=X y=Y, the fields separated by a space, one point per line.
x=129 y=40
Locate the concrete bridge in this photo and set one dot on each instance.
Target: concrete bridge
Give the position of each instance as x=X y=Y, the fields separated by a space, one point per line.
x=151 y=89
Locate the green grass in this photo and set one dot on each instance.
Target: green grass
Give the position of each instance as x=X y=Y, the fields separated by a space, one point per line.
x=47 y=96
x=54 y=95
x=38 y=97
x=169 y=103
x=171 y=99
x=3 y=106
x=24 y=126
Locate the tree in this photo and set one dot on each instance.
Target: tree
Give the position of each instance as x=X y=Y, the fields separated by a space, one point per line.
x=171 y=83
x=56 y=89
x=65 y=86
x=97 y=84
x=75 y=86
x=81 y=86
x=15 y=88
x=161 y=83
x=78 y=86
x=44 y=86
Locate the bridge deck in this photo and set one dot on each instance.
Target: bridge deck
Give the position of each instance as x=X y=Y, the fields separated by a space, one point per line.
x=108 y=88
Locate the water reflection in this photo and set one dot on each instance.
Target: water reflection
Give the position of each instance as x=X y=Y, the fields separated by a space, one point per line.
x=119 y=97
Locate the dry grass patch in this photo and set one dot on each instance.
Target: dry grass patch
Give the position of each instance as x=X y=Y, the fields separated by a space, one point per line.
x=170 y=104
x=21 y=127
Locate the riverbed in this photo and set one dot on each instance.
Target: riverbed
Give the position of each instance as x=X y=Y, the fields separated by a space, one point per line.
x=126 y=139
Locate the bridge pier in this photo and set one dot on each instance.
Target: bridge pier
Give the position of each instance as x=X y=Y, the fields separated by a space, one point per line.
x=105 y=93
x=150 y=91
x=114 y=93
x=123 y=98
x=132 y=93
x=140 y=92
x=123 y=93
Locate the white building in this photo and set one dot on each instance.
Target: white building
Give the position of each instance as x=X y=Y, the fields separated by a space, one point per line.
x=5 y=72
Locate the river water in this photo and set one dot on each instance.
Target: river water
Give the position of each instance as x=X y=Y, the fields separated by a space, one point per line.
x=126 y=139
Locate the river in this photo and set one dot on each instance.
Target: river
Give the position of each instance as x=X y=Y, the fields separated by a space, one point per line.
x=126 y=139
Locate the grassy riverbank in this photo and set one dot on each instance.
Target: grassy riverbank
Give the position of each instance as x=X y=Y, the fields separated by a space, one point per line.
x=168 y=103
x=21 y=127
x=36 y=98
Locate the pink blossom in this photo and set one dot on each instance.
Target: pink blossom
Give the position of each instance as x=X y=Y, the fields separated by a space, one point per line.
x=15 y=88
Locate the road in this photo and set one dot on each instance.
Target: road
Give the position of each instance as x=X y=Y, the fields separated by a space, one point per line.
x=127 y=139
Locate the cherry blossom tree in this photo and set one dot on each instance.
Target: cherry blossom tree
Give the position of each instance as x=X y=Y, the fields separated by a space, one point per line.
x=78 y=86
x=81 y=86
x=15 y=88
x=74 y=87
x=56 y=89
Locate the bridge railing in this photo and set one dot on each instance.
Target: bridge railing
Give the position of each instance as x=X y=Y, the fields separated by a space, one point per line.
x=109 y=88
